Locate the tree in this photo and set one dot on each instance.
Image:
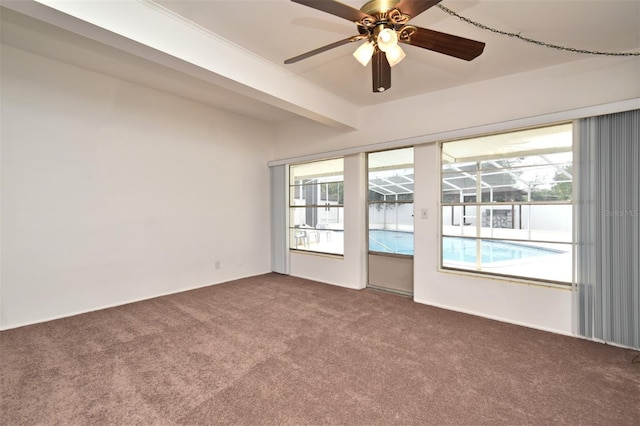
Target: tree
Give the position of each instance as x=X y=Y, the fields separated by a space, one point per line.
x=562 y=187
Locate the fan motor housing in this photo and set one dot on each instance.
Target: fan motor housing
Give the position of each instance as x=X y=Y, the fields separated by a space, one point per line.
x=375 y=7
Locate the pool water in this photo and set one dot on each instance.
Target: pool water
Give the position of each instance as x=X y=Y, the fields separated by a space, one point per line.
x=457 y=249
x=391 y=241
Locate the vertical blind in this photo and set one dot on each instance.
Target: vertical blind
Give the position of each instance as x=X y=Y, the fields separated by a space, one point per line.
x=279 y=226
x=608 y=228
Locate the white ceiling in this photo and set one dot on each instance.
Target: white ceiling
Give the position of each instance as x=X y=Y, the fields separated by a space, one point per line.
x=266 y=32
x=280 y=29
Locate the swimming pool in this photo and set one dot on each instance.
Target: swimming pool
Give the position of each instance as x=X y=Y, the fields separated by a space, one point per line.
x=391 y=241
x=457 y=249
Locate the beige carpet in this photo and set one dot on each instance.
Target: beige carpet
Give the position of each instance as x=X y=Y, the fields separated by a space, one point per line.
x=279 y=350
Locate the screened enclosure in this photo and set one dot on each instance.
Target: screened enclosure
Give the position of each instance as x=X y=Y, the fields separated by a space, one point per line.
x=507 y=204
x=390 y=200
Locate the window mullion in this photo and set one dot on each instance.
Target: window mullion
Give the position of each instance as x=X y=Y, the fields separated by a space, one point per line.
x=485 y=183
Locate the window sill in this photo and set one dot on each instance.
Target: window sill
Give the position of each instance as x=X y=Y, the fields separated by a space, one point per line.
x=507 y=278
x=316 y=253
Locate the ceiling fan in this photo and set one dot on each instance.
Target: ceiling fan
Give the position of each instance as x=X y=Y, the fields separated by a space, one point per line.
x=382 y=24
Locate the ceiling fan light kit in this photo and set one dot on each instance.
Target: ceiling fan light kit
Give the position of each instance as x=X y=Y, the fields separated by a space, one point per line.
x=364 y=53
x=395 y=55
x=383 y=25
x=386 y=39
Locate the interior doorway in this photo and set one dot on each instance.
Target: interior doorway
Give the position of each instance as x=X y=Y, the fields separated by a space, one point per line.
x=390 y=220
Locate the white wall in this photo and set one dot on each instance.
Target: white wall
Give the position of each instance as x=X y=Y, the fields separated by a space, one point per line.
x=501 y=104
x=575 y=85
x=113 y=192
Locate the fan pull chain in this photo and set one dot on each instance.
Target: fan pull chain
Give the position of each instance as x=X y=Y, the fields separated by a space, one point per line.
x=533 y=41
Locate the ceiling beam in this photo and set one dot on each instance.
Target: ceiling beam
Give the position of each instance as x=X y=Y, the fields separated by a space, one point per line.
x=150 y=31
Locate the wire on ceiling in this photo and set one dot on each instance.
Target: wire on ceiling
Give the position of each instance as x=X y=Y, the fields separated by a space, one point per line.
x=533 y=41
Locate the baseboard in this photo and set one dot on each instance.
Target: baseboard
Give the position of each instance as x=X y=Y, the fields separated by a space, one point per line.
x=327 y=282
x=115 y=305
x=495 y=318
x=604 y=342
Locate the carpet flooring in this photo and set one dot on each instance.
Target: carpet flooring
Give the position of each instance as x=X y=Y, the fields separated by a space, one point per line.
x=280 y=350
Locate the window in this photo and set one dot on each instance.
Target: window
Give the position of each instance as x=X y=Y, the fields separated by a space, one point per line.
x=507 y=204
x=316 y=205
x=391 y=184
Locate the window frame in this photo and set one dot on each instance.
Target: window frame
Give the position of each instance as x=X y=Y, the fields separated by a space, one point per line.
x=313 y=234
x=478 y=206
x=396 y=202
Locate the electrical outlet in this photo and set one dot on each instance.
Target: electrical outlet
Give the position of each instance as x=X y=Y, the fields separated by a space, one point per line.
x=217 y=264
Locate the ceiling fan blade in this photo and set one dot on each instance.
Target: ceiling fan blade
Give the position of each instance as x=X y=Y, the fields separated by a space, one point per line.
x=323 y=49
x=381 y=72
x=414 y=8
x=335 y=8
x=448 y=44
